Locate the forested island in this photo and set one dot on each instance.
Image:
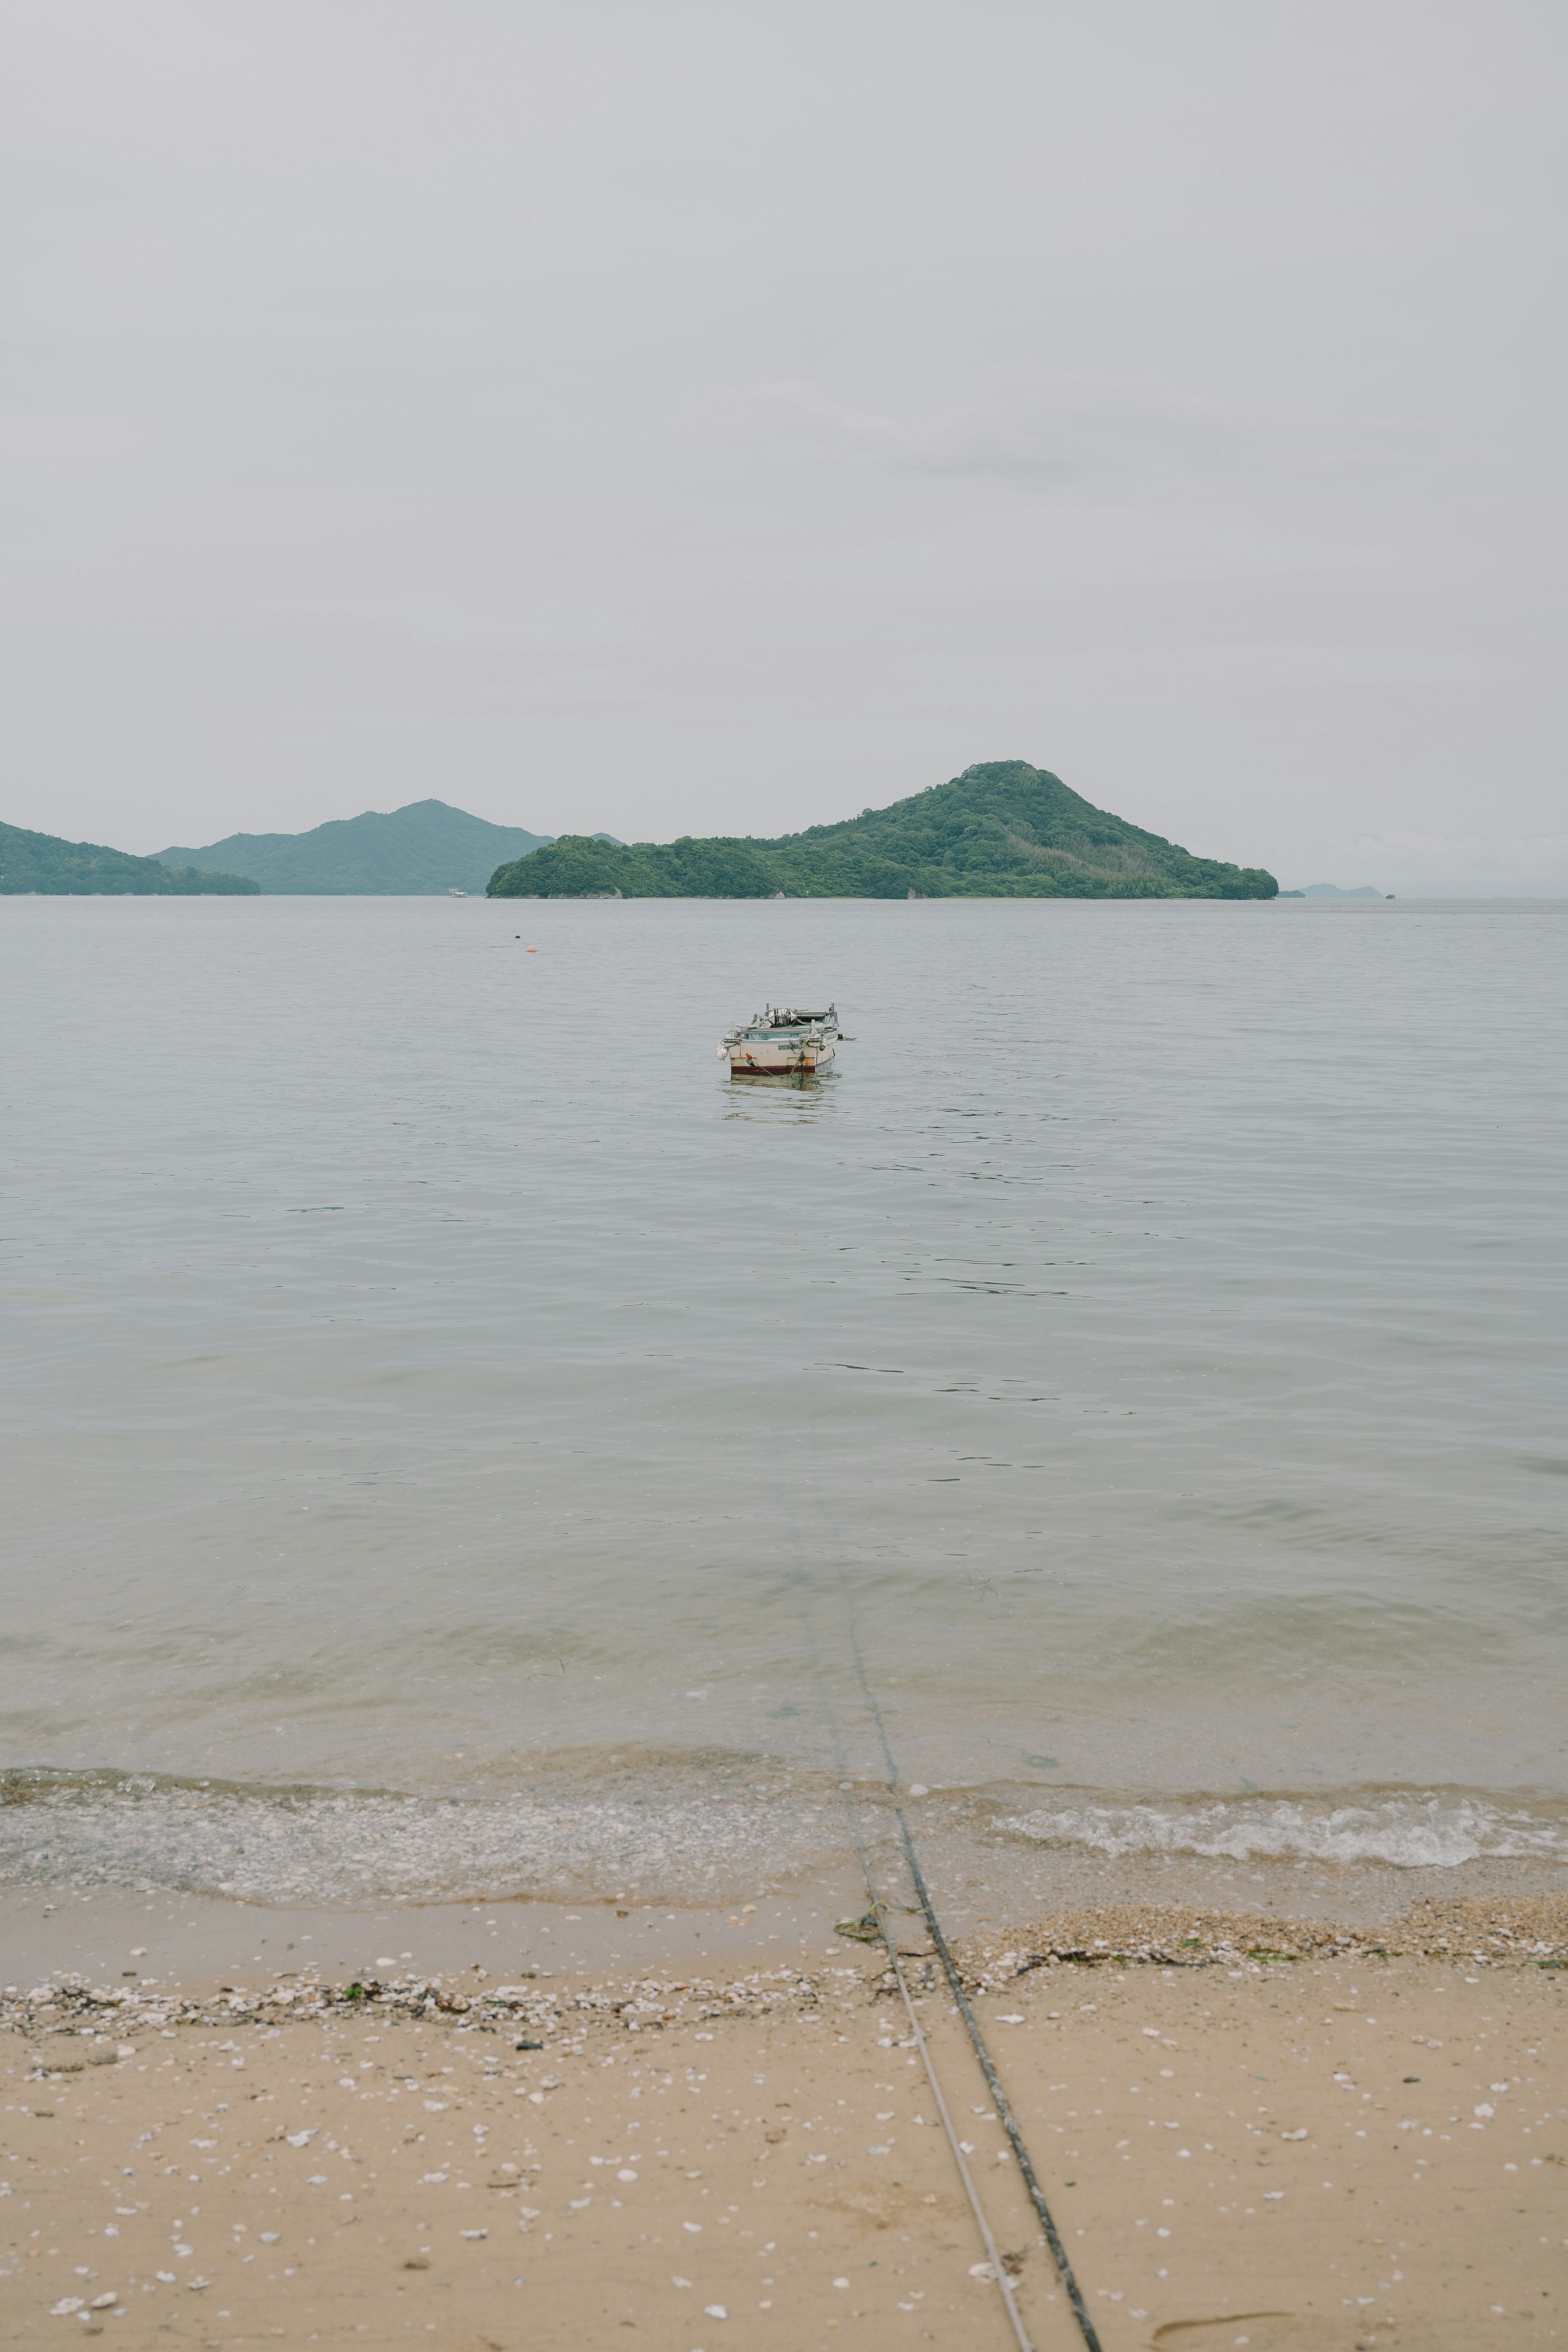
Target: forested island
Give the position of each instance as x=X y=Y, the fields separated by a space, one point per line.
x=38 y=863
x=420 y=851
x=1001 y=830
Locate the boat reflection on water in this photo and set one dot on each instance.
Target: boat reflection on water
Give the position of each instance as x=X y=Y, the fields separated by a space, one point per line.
x=791 y=1081
x=797 y=1098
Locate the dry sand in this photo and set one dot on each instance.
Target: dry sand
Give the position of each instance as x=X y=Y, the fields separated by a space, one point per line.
x=1365 y=2144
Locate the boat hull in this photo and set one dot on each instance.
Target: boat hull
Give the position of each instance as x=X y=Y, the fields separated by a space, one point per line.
x=758 y=1057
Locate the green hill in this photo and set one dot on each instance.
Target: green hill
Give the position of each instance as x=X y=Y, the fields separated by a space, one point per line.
x=1001 y=830
x=419 y=852
x=82 y=869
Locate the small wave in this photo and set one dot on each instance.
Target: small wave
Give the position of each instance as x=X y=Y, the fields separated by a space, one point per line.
x=1417 y=1831
x=328 y=1847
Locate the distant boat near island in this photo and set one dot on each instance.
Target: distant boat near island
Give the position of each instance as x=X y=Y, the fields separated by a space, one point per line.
x=1332 y=890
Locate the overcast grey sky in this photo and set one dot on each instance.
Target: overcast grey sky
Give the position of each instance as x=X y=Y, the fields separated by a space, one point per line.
x=721 y=417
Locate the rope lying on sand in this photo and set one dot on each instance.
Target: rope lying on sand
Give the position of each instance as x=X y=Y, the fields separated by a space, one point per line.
x=987 y=2065
x=869 y=1931
x=1003 y=2276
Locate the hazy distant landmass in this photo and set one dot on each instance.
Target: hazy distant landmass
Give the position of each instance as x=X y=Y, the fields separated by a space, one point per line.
x=417 y=851
x=1332 y=890
x=1001 y=830
x=39 y=862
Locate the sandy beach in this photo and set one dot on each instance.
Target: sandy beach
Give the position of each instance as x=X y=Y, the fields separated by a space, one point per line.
x=783 y=929
x=1252 y=2133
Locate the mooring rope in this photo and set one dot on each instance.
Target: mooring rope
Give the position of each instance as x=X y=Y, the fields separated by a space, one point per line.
x=956 y=1985
x=875 y=1909
x=1003 y=2275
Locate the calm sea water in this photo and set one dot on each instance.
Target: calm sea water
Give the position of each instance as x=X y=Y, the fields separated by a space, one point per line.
x=458 y=1440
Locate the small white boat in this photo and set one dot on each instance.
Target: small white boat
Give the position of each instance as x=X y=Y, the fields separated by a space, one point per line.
x=783 y=1041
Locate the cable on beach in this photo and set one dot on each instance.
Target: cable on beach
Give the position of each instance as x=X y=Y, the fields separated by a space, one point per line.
x=987 y=2237
x=956 y=1985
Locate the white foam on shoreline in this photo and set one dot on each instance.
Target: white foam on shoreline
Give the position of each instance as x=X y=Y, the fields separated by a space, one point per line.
x=324 y=1847
x=666 y=1836
x=1417 y=1831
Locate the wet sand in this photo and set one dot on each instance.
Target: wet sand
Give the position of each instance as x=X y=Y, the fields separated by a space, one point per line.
x=1365 y=2144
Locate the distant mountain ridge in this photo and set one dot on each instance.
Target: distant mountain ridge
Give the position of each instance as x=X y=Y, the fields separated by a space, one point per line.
x=1003 y=829
x=420 y=851
x=42 y=864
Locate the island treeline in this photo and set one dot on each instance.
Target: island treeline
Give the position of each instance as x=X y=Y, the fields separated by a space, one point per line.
x=1001 y=830
x=420 y=851
x=38 y=863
